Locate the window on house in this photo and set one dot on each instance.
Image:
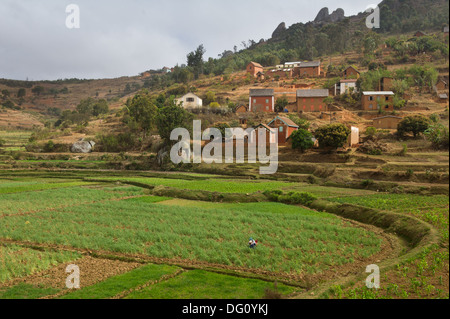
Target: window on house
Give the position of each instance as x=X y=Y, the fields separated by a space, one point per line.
x=387 y=98
x=370 y=106
x=267 y=100
x=281 y=129
x=370 y=98
x=254 y=100
x=190 y=99
x=267 y=108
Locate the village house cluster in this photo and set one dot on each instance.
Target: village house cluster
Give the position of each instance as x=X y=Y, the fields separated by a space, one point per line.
x=307 y=98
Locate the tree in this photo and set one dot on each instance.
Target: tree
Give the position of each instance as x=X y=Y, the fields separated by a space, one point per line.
x=170 y=118
x=86 y=106
x=332 y=135
x=21 y=93
x=195 y=60
x=281 y=103
x=302 y=140
x=371 y=131
x=5 y=94
x=438 y=135
x=100 y=107
x=142 y=112
x=209 y=98
x=38 y=90
x=416 y=124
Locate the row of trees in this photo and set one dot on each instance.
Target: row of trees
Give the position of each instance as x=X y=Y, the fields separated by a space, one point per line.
x=84 y=111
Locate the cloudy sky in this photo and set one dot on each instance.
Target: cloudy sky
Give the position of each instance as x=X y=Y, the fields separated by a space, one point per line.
x=125 y=37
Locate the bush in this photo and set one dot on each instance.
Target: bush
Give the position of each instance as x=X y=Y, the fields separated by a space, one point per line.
x=49 y=146
x=302 y=140
x=416 y=124
x=367 y=182
x=295 y=198
x=117 y=143
x=332 y=135
x=438 y=135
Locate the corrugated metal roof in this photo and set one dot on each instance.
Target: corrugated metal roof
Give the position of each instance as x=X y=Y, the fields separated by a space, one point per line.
x=310 y=64
x=387 y=116
x=313 y=93
x=443 y=96
x=261 y=92
x=378 y=93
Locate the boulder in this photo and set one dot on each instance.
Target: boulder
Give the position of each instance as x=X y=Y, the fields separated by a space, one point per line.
x=82 y=147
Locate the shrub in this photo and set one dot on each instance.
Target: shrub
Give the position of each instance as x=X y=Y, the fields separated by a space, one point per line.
x=49 y=146
x=416 y=124
x=332 y=135
x=273 y=195
x=367 y=182
x=302 y=140
x=297 y=198
x=404 y=151
x=438 y=135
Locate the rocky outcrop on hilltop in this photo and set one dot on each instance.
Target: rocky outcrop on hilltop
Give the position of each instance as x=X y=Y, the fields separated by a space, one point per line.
x=280 y=32
x=324 y=16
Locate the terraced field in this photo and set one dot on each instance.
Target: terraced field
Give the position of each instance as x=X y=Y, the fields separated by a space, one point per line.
x=66 y=219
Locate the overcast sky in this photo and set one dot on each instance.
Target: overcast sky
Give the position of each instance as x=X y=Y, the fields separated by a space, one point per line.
x=126 y=37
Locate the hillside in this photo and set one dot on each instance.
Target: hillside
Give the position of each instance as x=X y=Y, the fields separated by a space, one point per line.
x=333 y=38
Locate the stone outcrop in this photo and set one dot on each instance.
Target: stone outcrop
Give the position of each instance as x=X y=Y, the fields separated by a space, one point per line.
x=279 y=32
x=82 y=147
x=324 y=16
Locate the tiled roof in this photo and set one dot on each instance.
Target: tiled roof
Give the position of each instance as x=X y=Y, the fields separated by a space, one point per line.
x=313 y=93
x=261 y=92
x=310 y=64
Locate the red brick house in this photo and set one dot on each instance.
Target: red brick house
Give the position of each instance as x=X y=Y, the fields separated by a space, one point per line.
x=312 y=100
x=388 y=122
x=351 y=73
x=262 y=100
x=376 y=101
x=308 y=69
x=285 y=127
x=254 y=68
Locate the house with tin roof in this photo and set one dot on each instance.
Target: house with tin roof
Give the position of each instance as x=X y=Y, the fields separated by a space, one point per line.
x=312 y=100
x=262 y=100
x=308 y=69
x=378 y=101
x=285 y=127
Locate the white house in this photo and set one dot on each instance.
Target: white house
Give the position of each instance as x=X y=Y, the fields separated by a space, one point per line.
x=190 y=101
x=345 y=86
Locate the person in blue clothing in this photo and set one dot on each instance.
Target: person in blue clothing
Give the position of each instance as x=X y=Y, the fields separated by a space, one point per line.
x=252 y=243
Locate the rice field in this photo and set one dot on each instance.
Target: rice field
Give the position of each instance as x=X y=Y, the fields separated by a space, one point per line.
x=16 y=261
